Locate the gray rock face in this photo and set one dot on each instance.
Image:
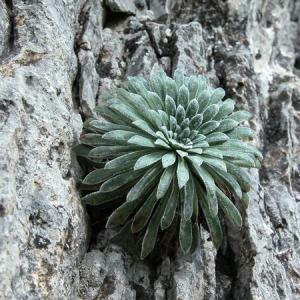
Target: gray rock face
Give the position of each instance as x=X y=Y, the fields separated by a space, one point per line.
x=4 y=28
x=43 y=226
x=57 y=59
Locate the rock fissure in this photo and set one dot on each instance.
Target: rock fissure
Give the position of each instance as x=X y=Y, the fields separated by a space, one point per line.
x=250 y=48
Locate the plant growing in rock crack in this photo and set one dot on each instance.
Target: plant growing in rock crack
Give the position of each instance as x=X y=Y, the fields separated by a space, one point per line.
x=175 y=150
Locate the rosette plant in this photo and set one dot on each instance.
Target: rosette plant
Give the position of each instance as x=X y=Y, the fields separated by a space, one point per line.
x=173 y=150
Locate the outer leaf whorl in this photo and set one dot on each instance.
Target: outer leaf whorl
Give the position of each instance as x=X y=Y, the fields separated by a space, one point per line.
x=172 y=147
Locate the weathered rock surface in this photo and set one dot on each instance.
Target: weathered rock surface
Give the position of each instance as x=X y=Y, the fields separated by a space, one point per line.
x=44 y=231
x=56 y=59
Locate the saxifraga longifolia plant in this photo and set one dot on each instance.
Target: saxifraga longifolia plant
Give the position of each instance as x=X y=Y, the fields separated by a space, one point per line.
x=174 y=150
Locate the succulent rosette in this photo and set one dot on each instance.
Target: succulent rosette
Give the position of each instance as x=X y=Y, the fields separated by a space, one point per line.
x=174 y=151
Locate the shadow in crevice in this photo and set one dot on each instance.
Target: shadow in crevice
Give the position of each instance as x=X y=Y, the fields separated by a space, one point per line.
x=10 y=36
x=226 y=272
x=113 y=19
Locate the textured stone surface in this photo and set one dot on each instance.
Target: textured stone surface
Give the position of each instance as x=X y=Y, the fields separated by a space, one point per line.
x=43 y=226
x=250 y=48
x=126 y=6
x=4 y=28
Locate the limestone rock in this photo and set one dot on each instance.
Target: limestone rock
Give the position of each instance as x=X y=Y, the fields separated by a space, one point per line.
x=56 y=60
x=126 y=6
x=43 y=225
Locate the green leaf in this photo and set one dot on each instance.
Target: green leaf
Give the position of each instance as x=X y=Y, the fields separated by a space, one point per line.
x=240 y=146
x=185 y=133
x=183 y=173
x=173 y=123
x=196 y=237
x=193 y=134
x=170 y=106
x=202 y=85
x=241 y=132
x=180 y=114
x=106 y=126
x=99 y=197
x=144 y=126
x=157 y=85
x=214 y=163
x=229 y=209
x=171 y=89
x=225 y=108
x=143 y=215
x=172 y=199
x=209 y=112
x=162 y=143
x=179 y=78
x=213 y=222
x=193 y=85
x=239 y=115
x=156 y=101
x=182 y=153
x=120 y=215
x=140 y=89
x=86 y=123
x=226 y=180
x=199 y=138
x=155 y=118
x=257 y=163
x=137 y=105
x=195 y=159
x=236 y=155
x=93 y=162
x=212 y=152
x=146 y=183
x=111 y=115
x=208 y=127
x=217 y=95
x=185 y=123
x=240 y=176
x=187 y=197
x=106 y=97
x=210 y=187
x=197 y=151
x=165 y=181
x=201 y=144
x=148 y=159
x=185 y=235
x=243 y=163
x=99 y=175
x=151 y=232
x=183 y=96
x=168 y=159
x=125 y=111
x=216 y=137
x=196 y=121
x=162 y=74
x=164 y=117
x=123 y=235
x=119 y=135
x=128 y=160
x=226 y=125
x=192 y=108
x=118 y=181
x=93 y=139
x=245 y=199
x=141 y=141
x=112 y=151
x=136 y=102
x=82 y=150
x=203 y=99
x=163 y=133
